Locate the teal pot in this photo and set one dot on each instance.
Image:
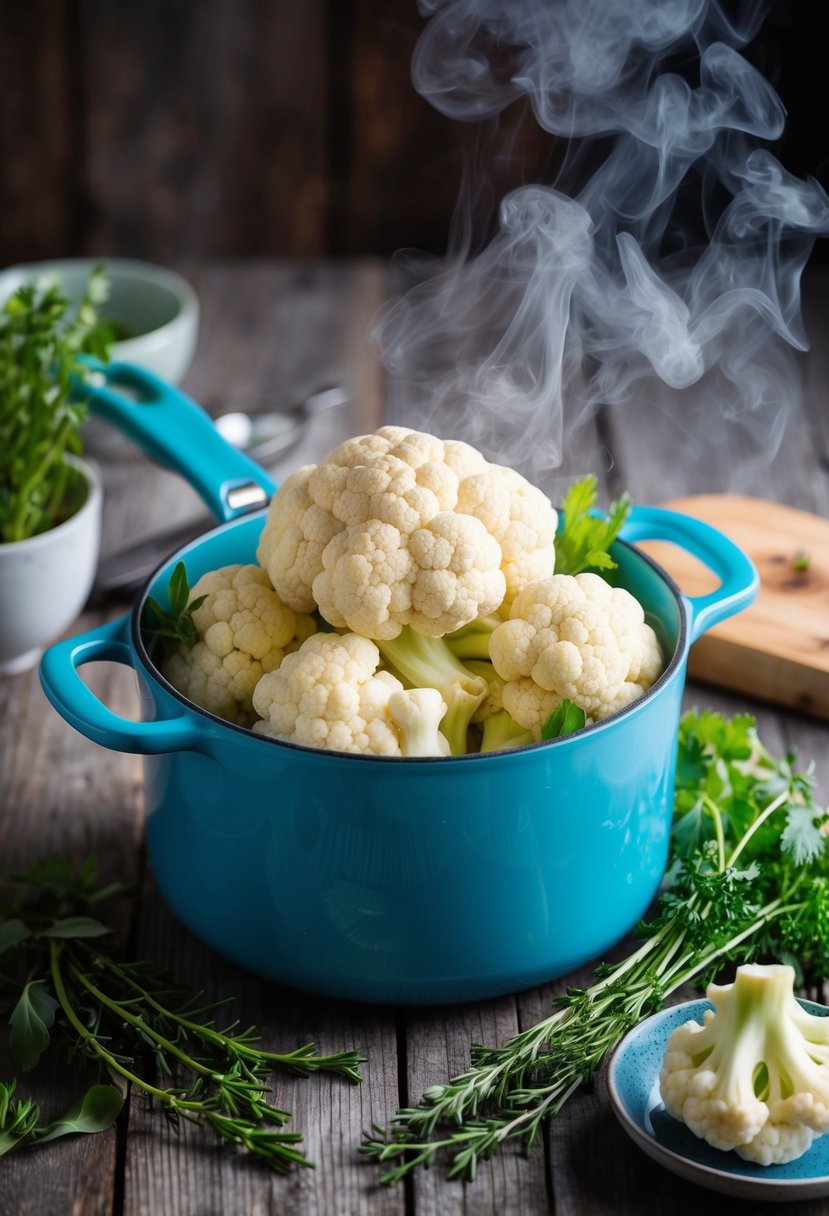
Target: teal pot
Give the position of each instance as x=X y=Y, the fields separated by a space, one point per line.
x=393 y=880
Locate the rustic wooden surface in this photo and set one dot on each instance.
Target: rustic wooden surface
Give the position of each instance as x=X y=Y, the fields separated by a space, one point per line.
x=778 y=648
x=272 y=331
x=172 y=128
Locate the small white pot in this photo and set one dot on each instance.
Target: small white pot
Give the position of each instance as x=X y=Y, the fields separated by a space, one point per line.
x=45 y=580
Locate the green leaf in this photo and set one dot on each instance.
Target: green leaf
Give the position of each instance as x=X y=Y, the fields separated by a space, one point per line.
x=565 y=719
x=76 y=926
x=177 y=625
x=30 y=1021
x=18 y=1119
x=584 y=538
x=801 y=837
x=179 y=589
x=12 y=933
x=95 y=1112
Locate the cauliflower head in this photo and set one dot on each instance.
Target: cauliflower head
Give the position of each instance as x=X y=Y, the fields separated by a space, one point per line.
x=329 y=694
x=578 y=638
x=755 y=1076
x=401 y=528
x=244 y=630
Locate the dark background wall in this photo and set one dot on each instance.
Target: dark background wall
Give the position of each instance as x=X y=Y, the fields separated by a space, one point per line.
x=169 y=128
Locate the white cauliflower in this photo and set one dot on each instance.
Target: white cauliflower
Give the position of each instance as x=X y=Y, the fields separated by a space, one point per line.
x=401 y=528
x=329 y=694
x=755 y=1076
x=417 y=712
x=243 y=630
x=575 y=638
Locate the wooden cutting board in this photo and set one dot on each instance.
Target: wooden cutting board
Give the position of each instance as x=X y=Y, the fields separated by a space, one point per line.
x=779 y=648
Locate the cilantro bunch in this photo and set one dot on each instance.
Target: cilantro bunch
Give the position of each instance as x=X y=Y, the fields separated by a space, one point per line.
x=748 y=880
x=41 y=342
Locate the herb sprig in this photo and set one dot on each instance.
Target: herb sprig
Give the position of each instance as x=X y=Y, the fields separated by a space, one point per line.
x=41 y=342
x=63 y=988
x=748 y=879
x=583 y=541
x=159 y=625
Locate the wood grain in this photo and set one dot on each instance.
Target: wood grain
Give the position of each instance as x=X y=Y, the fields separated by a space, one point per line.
x=777 y=649
x=205 y=127
x=37 y=129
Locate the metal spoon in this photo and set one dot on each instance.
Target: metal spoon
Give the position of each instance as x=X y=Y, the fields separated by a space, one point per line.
x=261 y=436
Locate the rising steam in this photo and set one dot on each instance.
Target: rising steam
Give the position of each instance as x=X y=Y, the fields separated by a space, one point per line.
x=578 y=300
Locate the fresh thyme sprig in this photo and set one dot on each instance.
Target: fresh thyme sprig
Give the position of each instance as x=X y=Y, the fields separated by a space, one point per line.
x=735 y=803
x=65 y=987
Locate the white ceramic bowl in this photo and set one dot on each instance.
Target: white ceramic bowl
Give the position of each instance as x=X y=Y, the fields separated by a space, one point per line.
x=45 y=580
x=156 y=306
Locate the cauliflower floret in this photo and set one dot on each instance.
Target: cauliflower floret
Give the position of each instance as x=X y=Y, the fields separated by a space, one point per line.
x=329 y=694
x=755 y=1076
x=244 y=630
x=576 y=638
x=401 y=528
x=417 y=713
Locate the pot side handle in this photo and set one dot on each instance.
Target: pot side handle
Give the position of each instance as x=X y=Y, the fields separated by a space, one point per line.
x=79 y=706
x=171 y=428
x=731 y=565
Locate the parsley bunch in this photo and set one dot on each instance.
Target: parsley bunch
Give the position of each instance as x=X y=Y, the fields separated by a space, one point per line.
x=584 y=537
x=60 y=987
x=40 y=348
x=748 y=880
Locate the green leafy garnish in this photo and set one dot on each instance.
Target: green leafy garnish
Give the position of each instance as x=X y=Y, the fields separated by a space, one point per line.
x=20 y=1118
x=41 y=410
x=177 y=624
x=70 y=992
x=564 y=720
x=583 y=542
x=30 y=1022
x=748 y=880
x=801 y=562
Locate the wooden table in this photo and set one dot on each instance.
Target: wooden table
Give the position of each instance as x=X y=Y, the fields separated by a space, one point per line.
x=272 y=331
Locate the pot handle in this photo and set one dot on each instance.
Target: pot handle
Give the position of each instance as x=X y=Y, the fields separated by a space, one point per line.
x=75 y=702
x=731 y=565
x=178 y=433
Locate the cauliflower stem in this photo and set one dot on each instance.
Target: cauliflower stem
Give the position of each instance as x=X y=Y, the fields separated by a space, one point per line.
x=472 y=641
x=423 y=662
x=502 y=733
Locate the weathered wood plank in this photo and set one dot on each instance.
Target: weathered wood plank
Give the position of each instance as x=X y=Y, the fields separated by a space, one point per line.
x=38 y=130
x=212 y=137
x=190 y=1172
x=437 y=1046
x=63 y=794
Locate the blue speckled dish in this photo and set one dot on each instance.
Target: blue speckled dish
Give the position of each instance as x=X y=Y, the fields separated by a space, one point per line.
x=633 y=1081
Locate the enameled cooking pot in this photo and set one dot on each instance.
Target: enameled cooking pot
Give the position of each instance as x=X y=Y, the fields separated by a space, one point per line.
x=395 y=880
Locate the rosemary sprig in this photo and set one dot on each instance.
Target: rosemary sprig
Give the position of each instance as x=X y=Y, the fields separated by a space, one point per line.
x=67 y=988
x=743 y=805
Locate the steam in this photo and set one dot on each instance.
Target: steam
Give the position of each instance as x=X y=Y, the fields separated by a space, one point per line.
x=581 y=297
